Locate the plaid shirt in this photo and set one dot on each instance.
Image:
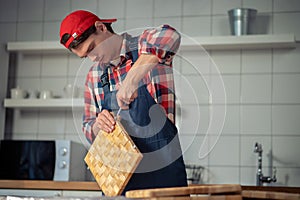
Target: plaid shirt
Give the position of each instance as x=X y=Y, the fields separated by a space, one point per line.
x=163 y=42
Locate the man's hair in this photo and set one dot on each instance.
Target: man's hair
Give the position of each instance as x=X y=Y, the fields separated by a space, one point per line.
x=87 y=33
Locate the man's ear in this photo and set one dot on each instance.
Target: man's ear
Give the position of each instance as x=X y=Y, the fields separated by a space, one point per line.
x=100 y=26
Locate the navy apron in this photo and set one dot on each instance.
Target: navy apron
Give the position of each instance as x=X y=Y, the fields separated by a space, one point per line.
x=154 y=135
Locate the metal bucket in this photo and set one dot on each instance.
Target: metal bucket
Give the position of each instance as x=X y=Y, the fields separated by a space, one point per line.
x=241 y=20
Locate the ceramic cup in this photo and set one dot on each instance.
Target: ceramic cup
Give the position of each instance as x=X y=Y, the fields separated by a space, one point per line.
x=70 y=91
x=32 y=94
x=46 y=94
x=17 y=93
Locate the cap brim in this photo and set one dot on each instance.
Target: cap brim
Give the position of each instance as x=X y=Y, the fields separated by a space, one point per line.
x=108 y=20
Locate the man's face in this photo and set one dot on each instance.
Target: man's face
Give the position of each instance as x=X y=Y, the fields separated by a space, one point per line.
x=84 y=48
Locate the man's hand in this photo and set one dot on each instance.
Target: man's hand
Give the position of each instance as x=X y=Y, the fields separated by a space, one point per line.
x=127 y=91
x=104 y=121
x=126 y=94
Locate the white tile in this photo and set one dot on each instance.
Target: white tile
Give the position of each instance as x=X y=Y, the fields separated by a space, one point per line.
x=137 y=25
x=286 y=151
x=8 y=11
x=288 y=177
x=222 y=6
x=29 y=31
x=139 y=8
x=256 y=61
x=84 y=5
x=195 y=62
x=248 y=175
x=232 y=120
x=74 y=122
x=223 y=175
x=248 y=157
x=23 y=136
x=56 y=9
x=51 y=123
x=117 y=6
x=191 y=146
x=287 y=23
x=50 y=137
x=74 y=138
x=285 y=119
x=262 y=24
x=29 y=66
x=196 y=26
x=56 y=85
x=177 y=63
x=193 y=119
x=225 y=89
x=51 y=31
x=287 y=5
x=74 y=65
x=256 y=88
x=227 y=61
x=224 y=150
x=8 y=32
x=29 y=84
x=193 y=90
x=25 y=122
x=31 y=10
x=286 y=88
x=119 y=26
x=220 y=25
x=197 y=7
x=286 y=60
x=174 y=8
x=175 y=22
x=261 y=6
x=54 y=65
x=256 y=120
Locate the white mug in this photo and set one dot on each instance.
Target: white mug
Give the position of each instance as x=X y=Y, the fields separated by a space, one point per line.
x=46 y=94
x=70 y=91
x=17 y=93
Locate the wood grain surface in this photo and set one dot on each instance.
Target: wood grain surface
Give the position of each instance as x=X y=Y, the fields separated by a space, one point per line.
x=112 y=159
x=270 y=195
x=181 y=191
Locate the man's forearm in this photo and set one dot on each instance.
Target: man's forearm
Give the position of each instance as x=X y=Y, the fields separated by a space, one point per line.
x=141 y=67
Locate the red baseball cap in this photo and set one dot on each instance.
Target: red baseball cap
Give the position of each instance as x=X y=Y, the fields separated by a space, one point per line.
x=77 y=23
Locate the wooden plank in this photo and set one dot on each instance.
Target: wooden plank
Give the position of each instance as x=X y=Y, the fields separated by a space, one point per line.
x=203 y=197
x=180 y=191
x=269 y=195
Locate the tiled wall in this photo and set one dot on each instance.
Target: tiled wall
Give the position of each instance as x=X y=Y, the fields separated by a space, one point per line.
x=262 y=86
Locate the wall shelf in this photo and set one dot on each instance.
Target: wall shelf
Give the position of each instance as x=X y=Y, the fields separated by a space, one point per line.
x=240 y=42
x=43 y=103
x=209 y=43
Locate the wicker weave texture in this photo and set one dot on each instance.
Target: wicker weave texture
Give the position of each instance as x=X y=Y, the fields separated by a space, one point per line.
x=112 y=159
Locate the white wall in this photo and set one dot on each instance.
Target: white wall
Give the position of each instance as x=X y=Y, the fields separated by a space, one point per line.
x=262 y=86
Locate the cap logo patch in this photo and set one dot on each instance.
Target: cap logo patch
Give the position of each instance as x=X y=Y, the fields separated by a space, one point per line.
x=75 y=35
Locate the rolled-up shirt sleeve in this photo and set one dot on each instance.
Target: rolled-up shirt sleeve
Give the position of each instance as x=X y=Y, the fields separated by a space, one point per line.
x=163 y=42
x=91 y=108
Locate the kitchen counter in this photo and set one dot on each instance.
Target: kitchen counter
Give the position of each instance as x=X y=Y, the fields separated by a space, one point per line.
x=49 y=185
x=248 y=192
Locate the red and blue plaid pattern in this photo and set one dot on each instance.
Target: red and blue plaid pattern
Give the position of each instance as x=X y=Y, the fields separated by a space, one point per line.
x=163 y=42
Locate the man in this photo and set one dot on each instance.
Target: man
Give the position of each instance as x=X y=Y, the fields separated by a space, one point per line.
x=132 y=75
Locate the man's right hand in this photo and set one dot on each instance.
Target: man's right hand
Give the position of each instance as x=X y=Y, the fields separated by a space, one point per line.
x=104 y=121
